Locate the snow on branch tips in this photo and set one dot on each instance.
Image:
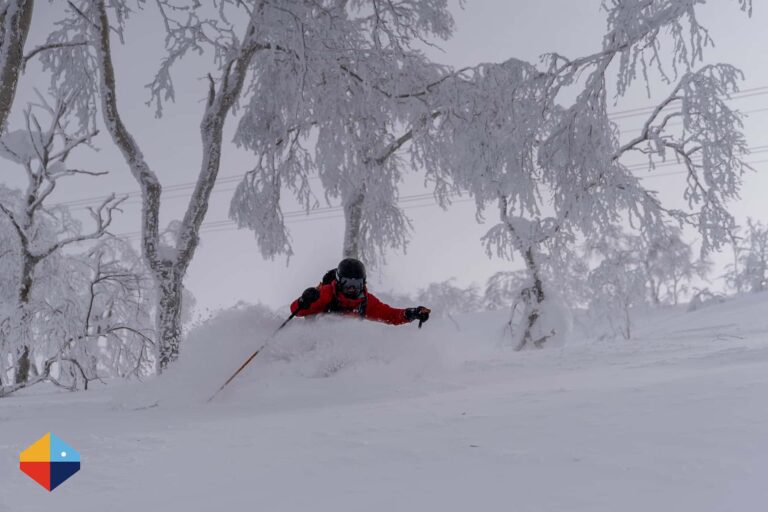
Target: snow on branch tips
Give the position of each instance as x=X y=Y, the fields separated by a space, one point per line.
x=256 y=206
x=708 y=140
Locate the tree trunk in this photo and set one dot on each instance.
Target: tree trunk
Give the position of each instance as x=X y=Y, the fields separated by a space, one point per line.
x=675 y=289
x=533 y=296
x=627 y=331
x=28 y=264
x=353 y=217
x=736 y=278
x=24 y=360
x=654 y=286
x=168 y=317
x=14 y=27
x=3 y=369
x=23 y=364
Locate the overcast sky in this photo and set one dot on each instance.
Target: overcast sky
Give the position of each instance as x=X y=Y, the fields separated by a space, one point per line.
x=228 y=266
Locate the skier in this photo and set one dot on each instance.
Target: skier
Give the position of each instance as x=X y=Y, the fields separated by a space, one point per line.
x=343 y=291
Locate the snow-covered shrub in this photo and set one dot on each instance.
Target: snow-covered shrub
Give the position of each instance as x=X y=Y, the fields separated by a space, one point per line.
x=503 y=288
x=445 y=298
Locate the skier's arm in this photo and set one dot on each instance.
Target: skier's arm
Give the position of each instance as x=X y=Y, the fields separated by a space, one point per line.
x=300 y=308
x=377 y=310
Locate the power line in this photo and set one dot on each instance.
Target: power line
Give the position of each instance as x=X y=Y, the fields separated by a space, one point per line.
x=663 y=174
x=752 y=111
x=634 y=112
x=136 y=194
x=646 y=165
x=332 y=212
x=222 y=229
x=298 y=214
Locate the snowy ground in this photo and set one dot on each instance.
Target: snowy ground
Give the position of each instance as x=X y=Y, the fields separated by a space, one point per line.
x=346 y=416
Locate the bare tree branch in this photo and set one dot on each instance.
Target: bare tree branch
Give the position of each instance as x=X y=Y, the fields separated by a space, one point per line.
x=103 y=217
x=51 y=46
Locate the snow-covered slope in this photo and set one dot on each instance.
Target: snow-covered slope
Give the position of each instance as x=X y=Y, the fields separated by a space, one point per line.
x=343 y=415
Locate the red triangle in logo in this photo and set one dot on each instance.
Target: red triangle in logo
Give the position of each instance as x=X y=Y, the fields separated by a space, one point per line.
x=40 y=472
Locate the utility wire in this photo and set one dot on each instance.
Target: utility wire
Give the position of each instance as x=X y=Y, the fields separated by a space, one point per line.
x=298 y=214
x=617 y=115
x=634 y=112
x=336 y=212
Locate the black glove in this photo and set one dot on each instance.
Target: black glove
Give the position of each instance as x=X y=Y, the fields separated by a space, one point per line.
x=309 y=296
x=420 y=313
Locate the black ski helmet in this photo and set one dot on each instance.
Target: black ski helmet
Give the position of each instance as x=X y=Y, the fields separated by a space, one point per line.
x=351 y=268
x=350 y=277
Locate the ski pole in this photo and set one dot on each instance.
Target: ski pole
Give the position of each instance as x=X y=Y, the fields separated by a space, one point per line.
x=422 y=321
x=252 y=356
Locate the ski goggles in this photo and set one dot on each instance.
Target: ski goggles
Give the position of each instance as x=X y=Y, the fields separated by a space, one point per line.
x=351 y=286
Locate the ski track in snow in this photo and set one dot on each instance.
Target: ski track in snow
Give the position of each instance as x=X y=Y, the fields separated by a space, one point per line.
x=383 y=419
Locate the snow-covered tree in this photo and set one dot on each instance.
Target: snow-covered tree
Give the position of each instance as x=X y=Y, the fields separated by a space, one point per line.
x=506 y=135
x=117 y=317
x=542 y=253
x=63 y=314
x=670 y=264
x=750 y=270
x=233 y=39
x=354 y=85
x=41 y=232
x=618 y=287
x=88 y=317
x=15 y=23
x=620 y=283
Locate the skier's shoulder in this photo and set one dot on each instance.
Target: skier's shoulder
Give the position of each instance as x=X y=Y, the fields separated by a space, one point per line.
x=327 y=290
x=371 y=298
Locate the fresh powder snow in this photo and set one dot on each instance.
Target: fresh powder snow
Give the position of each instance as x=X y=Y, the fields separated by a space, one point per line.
x=338 y=415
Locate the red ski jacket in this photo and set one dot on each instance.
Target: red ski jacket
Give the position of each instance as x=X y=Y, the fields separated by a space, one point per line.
x=368 y=307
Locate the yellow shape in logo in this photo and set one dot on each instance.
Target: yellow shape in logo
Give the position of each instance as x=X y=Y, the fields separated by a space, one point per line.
x=40 y=451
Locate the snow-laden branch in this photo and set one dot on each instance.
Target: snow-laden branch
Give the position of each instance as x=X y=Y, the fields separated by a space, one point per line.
x=102 y=216
x=50 y=46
